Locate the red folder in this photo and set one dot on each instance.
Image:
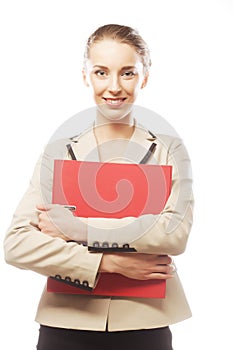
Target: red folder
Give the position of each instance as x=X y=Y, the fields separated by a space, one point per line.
x=113 y=285
x=111 y=190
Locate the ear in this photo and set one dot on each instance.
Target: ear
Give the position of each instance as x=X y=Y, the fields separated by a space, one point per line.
x=145 y=80
x=85 y=79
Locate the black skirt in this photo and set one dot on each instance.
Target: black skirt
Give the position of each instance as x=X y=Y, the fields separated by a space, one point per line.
x=51 y=338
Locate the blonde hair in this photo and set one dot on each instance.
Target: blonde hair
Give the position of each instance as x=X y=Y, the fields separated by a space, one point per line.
x=123 y=34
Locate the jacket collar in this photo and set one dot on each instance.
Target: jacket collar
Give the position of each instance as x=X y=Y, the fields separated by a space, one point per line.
x=85 y=146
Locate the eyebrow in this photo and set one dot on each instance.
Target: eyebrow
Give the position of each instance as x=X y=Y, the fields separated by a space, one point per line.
x=103 y=67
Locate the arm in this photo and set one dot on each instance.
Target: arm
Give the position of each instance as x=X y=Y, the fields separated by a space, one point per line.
x=26 y=247
x=136 y=266
x=166 y=233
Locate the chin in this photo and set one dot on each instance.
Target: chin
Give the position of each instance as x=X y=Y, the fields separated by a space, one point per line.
x=115 y=114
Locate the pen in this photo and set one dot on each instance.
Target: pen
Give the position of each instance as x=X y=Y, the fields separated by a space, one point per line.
x=70 y=207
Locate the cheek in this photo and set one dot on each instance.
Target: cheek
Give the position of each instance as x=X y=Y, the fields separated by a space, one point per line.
x=98 y=86
x=132 y=87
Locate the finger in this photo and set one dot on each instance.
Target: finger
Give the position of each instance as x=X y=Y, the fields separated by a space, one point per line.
x=173 y=267
x=43 y=207
x=164 y=259
x=167 y=269
x=41 y=226
x=160 y=276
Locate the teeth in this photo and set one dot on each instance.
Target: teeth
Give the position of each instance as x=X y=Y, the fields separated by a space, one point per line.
x=115 y=102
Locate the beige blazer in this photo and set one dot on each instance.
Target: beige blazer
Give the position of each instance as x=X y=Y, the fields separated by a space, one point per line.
x=27 y=248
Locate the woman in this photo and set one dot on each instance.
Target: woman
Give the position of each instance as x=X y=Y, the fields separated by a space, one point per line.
x=41 y=236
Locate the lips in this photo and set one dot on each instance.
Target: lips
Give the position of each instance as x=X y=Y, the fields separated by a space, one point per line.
x=114 y=101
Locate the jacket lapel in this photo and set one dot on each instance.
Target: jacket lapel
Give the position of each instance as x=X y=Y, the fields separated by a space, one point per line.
x=85 y=146
x=139 y=145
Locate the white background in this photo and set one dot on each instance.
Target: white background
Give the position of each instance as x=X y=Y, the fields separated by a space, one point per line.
x=191 y=85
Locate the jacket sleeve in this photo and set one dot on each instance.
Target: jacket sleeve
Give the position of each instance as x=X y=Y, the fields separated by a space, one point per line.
x=166 y=233
x=26 y=247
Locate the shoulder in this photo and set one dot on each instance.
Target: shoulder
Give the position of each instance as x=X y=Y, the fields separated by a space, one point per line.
x=59 y=148
x=168 y=141
x=165 y=140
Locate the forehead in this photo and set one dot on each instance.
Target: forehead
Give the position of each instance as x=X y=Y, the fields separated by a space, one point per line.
x=111 y=52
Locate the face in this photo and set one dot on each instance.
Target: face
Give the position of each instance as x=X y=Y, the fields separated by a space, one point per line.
x=115 y=73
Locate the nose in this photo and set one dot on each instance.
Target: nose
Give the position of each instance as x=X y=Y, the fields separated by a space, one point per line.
x=114 y=85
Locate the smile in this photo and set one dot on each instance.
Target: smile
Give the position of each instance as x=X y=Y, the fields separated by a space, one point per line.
x=114 y=101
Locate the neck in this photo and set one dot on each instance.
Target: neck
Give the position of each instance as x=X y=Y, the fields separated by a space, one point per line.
x=106 y=130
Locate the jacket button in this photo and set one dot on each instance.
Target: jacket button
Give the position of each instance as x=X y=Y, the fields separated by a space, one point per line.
x=58 y=277
x=126 y=246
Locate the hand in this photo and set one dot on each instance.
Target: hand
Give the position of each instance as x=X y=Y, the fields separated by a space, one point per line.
x=50 y=219
x=57 y=221
x=138 y=266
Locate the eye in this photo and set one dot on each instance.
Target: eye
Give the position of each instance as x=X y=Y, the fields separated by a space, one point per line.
x=100 y=73
x=128 y=74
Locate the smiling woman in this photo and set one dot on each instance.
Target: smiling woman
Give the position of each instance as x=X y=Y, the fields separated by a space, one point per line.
x=116 y=78
x=116 y=65
x=50 y=240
